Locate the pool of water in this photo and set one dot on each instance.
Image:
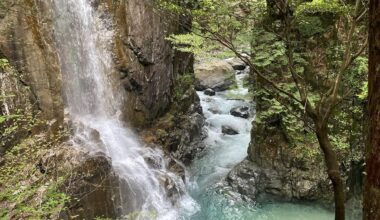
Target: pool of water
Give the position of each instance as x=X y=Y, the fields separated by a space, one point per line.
x=215 y=206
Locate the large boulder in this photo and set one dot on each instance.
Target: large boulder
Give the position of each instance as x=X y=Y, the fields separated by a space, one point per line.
x=263 y=184
x=242 y=112
x=92 y=186
x=209 y=92
x=217 y=75
x=237 y=64
x=191 y=135
x=281 y=172
x=228 y=130
x=181 y=134
x=277 y=170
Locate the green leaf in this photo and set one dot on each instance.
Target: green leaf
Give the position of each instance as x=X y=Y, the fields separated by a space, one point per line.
x=2 y=119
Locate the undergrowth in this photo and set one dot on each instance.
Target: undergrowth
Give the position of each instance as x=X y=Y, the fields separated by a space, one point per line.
x=28 y=190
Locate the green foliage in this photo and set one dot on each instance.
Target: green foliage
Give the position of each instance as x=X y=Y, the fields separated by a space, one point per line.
x=267 y=49
x=50 y=204
x=221 y=54
x=183 y=84
x=321 y=6
x=102 y=218
x=301 y=140
x=3 y=119
x=340 y=142
x=170 y=6
x=317 y=37
x=141 y=215
x=356 y=78
x=16 y=116
x=190 y=43
x=360 y=67
x=15 y=126
x=4 y=63
x=309 y=26
x=364 y=91
x=24 y=191
x=356 y=75
x=224 y=17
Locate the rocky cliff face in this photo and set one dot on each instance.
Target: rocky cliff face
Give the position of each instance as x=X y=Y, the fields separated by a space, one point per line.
x=158 y=80
x=278 y=168
x=145 y=66
x=26 y=41
x=145 y=62
x=275 y=171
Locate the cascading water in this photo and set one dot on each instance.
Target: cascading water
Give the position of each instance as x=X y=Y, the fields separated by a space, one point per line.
x=222 y=153
x=93 y=105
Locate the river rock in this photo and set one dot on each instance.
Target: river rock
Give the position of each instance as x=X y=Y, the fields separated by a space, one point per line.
x=228 y=130
x=237 y=64
x=217 y=75
x=174 y=190
x=209 y=92
x=242 y=112
x=198 y=86
x=214 y=111
x=91 y=183
x=266 y=184
x=239 y=67
x=191 y=135
x=177 y=168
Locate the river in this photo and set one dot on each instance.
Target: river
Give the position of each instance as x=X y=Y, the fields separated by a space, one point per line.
x=222 y=153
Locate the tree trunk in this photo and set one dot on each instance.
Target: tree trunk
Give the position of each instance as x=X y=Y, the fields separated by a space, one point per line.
x=372 y=183
x=332 y=165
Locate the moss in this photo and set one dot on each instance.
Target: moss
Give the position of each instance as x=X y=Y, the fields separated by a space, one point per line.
x=183 y=93
x=233 y=86
x=166 y=122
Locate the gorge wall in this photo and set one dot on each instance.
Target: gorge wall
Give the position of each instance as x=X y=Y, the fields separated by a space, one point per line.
x=145 y=61
x=145 y=64
x=280 y=168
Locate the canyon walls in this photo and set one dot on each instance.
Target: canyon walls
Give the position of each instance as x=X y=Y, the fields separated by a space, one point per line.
x=145 y=67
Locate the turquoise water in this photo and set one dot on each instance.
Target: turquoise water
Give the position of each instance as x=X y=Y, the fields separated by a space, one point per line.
x=217 y=207
x=222 y=153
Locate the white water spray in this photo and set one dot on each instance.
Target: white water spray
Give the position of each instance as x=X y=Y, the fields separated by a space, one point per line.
x=93 y=103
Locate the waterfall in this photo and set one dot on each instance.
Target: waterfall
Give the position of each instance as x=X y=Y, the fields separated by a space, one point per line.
x=93 y=103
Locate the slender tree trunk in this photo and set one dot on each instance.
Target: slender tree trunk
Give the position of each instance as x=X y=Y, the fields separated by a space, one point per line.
x=372 y=182
x=332 y=165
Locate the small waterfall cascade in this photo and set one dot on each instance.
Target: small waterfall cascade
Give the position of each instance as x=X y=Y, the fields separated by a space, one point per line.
x=93 y=104
x=223 y=152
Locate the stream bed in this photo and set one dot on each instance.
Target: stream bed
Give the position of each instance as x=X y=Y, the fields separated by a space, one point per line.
x=222 y=153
